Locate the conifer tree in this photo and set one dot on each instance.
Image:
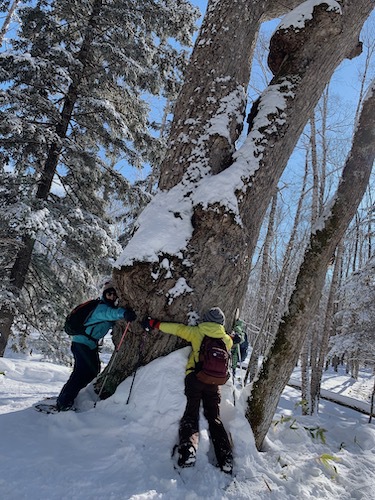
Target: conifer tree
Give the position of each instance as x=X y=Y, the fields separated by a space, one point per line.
x=73 y=101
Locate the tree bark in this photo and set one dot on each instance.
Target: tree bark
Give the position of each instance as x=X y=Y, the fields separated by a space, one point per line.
x=216 y=78
x=282 y=356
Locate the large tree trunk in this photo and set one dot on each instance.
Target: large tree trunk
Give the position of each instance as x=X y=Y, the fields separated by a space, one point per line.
x=23 y=259
x=214 y=262
x=215 y=85
x=282 y=356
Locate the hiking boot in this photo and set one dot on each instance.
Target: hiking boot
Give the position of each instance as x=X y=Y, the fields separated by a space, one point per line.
x=186 y=455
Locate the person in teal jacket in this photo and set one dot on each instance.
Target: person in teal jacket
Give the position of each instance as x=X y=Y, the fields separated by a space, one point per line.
x=212 y=325
x=85 y=349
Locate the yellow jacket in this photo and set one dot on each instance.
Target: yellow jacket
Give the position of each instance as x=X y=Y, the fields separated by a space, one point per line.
x=195 y=335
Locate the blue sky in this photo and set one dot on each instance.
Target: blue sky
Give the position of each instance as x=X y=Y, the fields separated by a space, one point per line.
x=202 y=4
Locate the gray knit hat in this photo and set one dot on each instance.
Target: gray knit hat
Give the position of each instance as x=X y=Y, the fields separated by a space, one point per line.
x=108 y=285
x=214 y=315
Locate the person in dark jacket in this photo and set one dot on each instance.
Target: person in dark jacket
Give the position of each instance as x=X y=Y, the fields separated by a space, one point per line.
x=238 y=337
x=85 y=349
x=196 y=391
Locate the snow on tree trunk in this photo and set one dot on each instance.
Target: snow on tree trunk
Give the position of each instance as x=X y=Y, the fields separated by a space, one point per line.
x=283 y=354
x=194 y=242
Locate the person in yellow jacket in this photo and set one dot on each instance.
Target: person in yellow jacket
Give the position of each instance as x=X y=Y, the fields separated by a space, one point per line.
x=212 y=325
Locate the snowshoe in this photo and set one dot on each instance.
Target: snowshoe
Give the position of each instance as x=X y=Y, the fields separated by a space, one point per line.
x=186 y=455
x=46 y=408
x=49 y=405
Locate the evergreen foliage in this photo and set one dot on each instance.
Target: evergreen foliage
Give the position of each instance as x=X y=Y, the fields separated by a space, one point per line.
x=75 y=86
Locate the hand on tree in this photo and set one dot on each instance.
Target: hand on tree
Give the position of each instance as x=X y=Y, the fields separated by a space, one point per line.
x=150 y=324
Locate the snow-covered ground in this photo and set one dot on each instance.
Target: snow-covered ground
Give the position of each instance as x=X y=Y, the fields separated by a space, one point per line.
x=123 y=451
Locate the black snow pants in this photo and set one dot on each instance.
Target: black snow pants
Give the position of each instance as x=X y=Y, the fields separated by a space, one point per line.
x=86 y=368
x=195 y=392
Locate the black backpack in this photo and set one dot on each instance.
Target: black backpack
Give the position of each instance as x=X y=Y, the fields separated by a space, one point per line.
x=74 y=323
x=213 y=365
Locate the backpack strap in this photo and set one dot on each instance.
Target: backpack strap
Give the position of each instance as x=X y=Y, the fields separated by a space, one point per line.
x=199 y=363
x=88 y=335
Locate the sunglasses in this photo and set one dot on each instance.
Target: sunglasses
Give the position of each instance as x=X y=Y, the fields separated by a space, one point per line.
x=111 y=292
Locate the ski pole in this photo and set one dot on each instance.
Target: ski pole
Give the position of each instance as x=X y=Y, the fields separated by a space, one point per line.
x=138 y=365
x=233 y=379
x=240 y=359
x=112 y=361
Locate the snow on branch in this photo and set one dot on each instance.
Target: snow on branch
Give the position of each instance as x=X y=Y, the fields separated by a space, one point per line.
x=297 y=18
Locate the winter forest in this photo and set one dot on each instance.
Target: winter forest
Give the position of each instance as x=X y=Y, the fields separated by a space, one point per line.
x=202 y=154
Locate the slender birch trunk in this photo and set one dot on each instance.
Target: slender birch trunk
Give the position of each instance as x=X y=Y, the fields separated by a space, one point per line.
x=8 y=19
x=317 y=368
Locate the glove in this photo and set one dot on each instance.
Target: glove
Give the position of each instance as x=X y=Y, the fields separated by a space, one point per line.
x=150 y=324
x=236 y=338
x=129 y=314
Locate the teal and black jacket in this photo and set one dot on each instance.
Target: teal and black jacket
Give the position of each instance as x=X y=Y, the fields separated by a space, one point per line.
x=99 y=322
